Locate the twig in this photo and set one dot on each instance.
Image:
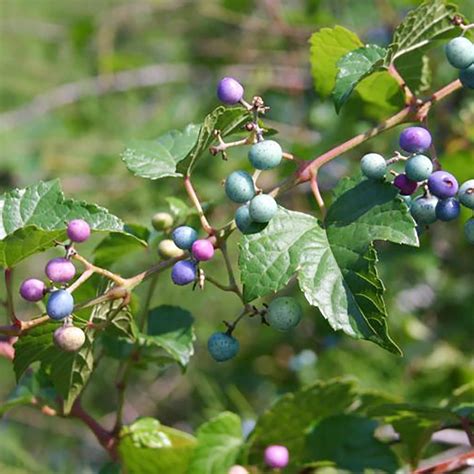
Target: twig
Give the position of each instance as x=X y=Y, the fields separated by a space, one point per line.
x=9 y=300
x=195 y=200
x=317 y=193
x=449 y=465
x=101 y=271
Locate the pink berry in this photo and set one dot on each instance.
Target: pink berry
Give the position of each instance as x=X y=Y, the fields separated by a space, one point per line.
x=78 y=230
x=405 y=185
x=202 y=250
x=60 y=270
x=32 y=289
x=276 y=456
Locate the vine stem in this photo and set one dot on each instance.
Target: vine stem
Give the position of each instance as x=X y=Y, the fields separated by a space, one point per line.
x=448 y=465
x=317 y=193
x=195 y=200
x=409 y=96
x=101 y=271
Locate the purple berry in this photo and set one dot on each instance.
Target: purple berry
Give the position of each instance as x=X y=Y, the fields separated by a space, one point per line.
x=183 y=272
x=405 y=185
x=78 y=230
x=32 y=289
x=277 y=457
x=202 y=250
x=443 y=184
x=415 y=139
x=60 y=270
x=229 y=91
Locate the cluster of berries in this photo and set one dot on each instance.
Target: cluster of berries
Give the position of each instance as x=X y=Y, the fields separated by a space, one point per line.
x=275 y=457
x=442 y=196
x=60 y=304
x=460 y=54
x=258 y=208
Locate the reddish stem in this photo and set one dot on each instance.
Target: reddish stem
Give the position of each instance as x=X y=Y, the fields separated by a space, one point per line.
x=197 y=204
x=449 y=465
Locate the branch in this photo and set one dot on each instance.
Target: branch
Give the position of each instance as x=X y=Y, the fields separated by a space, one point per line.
x=195 y=200
x=453 y=464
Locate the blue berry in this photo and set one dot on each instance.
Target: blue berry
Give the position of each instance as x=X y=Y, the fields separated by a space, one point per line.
x=184 y=237
x=265 y=154
x=183 y=272
x=415 y=139
x=262 y=208
x=460 y=52
x=239 y=187
x=423 y=210
x=60 y=305
x=466 y=194
x=222 y=346
x=469 y=230
x=284 y=313
x=466 y=76
x=442 y=184
x=418 y=168
x=229 y=91
x=373 y=166
x=245 y=223
x=448 y=209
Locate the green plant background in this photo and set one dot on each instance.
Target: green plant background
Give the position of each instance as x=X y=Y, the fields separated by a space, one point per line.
x=430 y=295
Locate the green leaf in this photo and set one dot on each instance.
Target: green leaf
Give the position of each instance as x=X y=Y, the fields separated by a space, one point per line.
x=348 y=441
x=352 y=68
x=381 y=90
x=288 y=420
x=415 y=69
x=171 y=328
x=116 y=246
x=146 y=446
x=335 y=265
x=328 y=45
x=219 y=444
x=420 y=27
x=154 y=159
x=31 y=219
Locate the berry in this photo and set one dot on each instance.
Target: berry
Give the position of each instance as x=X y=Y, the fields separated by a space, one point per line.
x=222 y=346
x=78 y=230
x=405 y=185
x=239 y=187
x=265 y=154
x=238 y=470
x=406 y=199
x=460 y=52
x=418 y=168
x=415 y=139
x=183 y=272
x=442 y=184
x=184 y=237
x=466 y=194
x=466 y=76
x=423 y=210
x=168 y=249
x=229 y=91
x=469 y=230
x=32 y=289
x=69 y=338
x=245 y=223
x=60 y=270
x=162 y=221
x=60 y=305
x=202 y=250
x=276 y=457
x=373 y=166
x=448 y=209
x=284 y=313
x=262 y=208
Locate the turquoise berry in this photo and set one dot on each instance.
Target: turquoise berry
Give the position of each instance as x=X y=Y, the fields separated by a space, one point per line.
x=284 y=313
x=262 y=208
x=373 y=166
x=184 y=237
x=466 y=194
x=60 y=305
x=466 y=76
x=423 y=210
x=418 y=168
x=406 y=199
x=245 y=223
x=265 y=154
x=222 y=346
x=460 y=52
x=469 y=230
x=239 y=187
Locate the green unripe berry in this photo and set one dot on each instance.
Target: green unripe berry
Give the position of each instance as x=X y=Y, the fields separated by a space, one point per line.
x=373 y=166
x=418 y=168
x=162 y=221
x=262 y=208
x=265 y=154
x=168 y=249
x=244 y=222
x=284 y=313
x=466 y=194
x=469 y=230
x=239 y=187
x=423 y=210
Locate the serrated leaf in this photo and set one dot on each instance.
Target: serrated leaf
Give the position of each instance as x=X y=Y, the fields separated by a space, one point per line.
x=422 y=25
x=328 y=45
x=335 y=265
x=154 y=159
x=147 y=447
x=352 y=68
x=415 y=69
x=116 y=246
x=219 y=443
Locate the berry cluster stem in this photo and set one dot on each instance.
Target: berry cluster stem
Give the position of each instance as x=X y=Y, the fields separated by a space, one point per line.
x=197 y=204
